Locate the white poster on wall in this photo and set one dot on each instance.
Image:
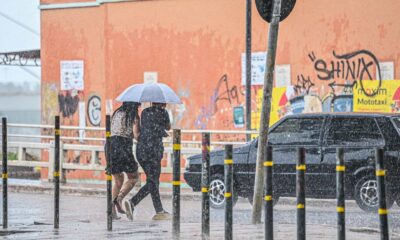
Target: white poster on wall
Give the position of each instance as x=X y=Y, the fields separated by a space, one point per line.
x=282 y=75
x=387 y=71
x=258 y=60
x=71 y=75
x=150 y=77
x=82 y=121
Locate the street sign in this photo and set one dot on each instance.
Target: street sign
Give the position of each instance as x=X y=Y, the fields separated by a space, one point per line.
x=264 y=8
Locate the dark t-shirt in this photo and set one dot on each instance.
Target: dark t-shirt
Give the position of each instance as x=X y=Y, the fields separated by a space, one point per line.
x=154 y=122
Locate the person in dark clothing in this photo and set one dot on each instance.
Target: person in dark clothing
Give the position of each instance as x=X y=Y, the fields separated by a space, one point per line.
x=154 y=123
x=124 y=127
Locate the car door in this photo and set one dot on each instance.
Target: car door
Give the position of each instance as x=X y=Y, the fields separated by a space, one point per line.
x=240 y=165
x=357 y=135
x=294 y=132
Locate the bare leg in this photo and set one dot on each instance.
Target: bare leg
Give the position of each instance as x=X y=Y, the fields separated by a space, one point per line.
x=119 y=180
x=128 y=186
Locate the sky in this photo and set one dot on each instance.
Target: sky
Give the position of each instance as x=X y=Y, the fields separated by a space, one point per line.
x=19 y=31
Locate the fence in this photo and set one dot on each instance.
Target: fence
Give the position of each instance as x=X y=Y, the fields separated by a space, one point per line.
x=23 y=143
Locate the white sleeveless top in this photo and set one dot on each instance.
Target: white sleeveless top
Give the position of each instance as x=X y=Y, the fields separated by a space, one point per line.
x=118 y=127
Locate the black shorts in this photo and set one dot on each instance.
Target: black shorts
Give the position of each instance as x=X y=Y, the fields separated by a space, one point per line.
x=121 y=156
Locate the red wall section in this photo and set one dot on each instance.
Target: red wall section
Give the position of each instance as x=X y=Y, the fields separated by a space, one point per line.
x=195 y=46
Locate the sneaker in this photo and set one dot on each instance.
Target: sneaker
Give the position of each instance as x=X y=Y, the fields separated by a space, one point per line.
x=163 y=215
x=114 y=214
x=129 y=208
x=115 y=217
x=117 y=204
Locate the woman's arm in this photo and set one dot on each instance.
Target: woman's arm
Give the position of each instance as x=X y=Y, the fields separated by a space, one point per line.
x=136 y=128
x=167 y=121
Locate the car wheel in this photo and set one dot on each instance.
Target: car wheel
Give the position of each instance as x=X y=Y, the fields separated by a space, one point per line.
x=366 y=194
x=217 y=191
x=274 y=201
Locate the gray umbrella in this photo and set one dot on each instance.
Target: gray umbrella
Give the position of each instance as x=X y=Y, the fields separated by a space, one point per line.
x=149 y=92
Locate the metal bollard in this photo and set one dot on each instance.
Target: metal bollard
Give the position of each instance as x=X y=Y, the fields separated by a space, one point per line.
x=176 y=183
x=205 y=182
x=380 y=178
x=5 y=174
x=340 y=206
x=56 y=172
x=300 y=194
x=108 y=176
x=228 y=191
x=269 y=212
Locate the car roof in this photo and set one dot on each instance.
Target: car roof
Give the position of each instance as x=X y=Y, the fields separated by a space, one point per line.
x=347 y=114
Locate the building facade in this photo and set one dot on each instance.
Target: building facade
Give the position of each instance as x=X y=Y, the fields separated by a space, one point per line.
x=325 y=50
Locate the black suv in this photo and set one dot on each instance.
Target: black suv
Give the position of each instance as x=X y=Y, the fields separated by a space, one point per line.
x=320 y=134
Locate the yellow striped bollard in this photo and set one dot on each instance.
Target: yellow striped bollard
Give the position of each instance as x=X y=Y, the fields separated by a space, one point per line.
x=340 y=200
x=269 y=212
x=5 y=173
x=108 y=175
x=228 y=191
x=205 y=182
x=300 y=194
x=57 y=133
x=380 y=178
x=176 y=183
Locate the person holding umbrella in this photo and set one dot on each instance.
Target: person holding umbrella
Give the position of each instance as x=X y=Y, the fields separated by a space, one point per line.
x=124 y=127
x=154 y=124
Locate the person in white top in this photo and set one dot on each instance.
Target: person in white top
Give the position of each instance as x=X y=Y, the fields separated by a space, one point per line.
x=125 y=125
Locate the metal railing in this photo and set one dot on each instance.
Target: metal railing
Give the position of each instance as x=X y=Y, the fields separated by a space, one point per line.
x=95 y=146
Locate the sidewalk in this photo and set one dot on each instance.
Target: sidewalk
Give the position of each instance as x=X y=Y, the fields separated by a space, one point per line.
x=84 y=217
x=39 y=186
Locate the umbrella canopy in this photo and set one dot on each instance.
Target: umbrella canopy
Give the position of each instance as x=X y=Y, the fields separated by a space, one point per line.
x=149 y=92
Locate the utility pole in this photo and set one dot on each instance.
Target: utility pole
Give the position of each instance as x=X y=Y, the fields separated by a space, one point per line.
x=272 y=11
x=266 y=110
x=248 y=67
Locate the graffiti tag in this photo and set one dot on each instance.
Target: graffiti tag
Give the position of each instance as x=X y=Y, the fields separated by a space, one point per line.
x=94 y=110
x=356 y=66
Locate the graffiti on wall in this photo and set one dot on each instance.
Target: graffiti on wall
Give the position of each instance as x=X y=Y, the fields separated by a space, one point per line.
x=224 y=95
x=340 y=74
x=68 y=102
x=344 y=70
x=94 y=110
x=49 y=102
x=303 y=85
x=224 y=92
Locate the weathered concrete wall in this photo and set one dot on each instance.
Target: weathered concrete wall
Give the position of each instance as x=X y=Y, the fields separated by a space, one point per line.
x=192 y=44
x=196 y=46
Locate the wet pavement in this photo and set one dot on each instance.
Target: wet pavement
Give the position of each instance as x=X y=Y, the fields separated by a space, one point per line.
x=84 y=217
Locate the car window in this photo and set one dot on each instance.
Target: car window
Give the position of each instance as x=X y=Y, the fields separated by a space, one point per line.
x=297 y=131
x=356 y=131
x=396 y=121
x=389 y=131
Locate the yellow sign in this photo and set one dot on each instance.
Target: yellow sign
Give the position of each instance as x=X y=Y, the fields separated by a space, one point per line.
x=279 y=107
x=385 y=100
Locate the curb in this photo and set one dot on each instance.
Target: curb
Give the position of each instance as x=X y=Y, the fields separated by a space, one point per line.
x=98 y=192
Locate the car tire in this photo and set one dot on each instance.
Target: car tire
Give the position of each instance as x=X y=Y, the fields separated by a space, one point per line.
x=274 y=201
x=366 y=194
x=217 y=191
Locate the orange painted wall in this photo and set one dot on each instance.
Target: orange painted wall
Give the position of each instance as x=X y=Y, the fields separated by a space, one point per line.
x=193 y=43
